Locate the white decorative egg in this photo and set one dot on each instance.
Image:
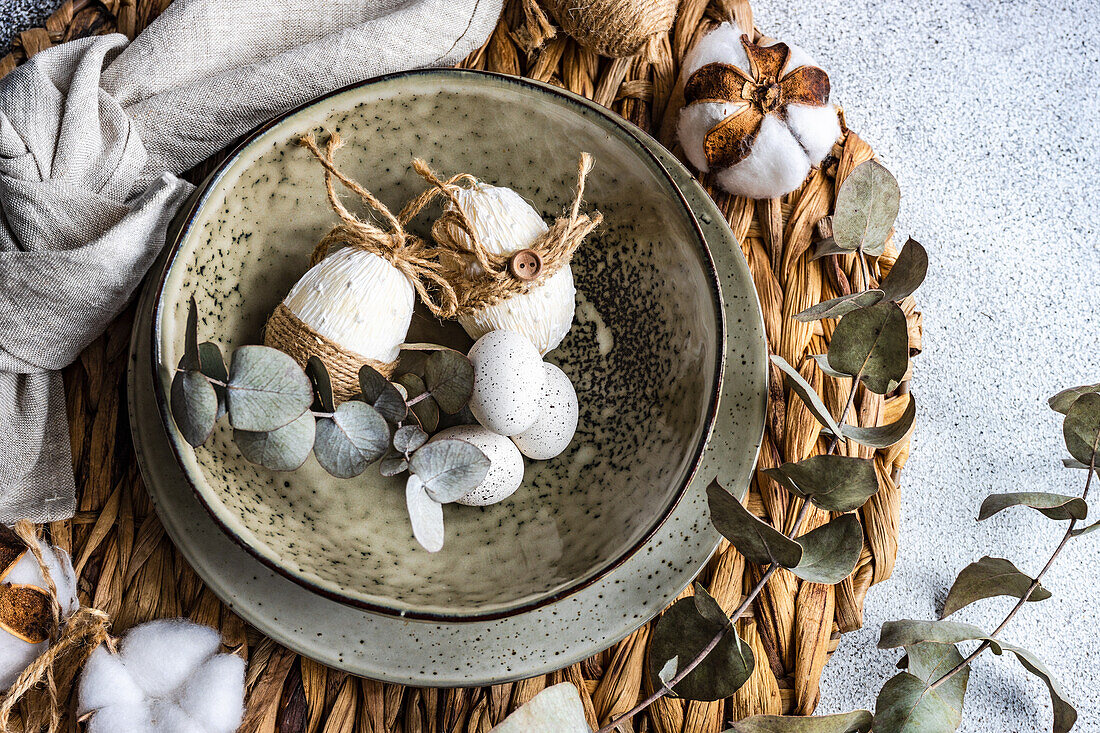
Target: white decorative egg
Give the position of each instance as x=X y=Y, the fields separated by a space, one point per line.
x=505 y=469
x=505 y=223
x=557 y=422
x=508 y=379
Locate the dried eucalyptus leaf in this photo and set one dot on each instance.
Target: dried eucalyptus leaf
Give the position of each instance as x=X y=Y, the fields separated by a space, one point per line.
x=857 y=721
x=822 y=361
x=807 y=394
x=190 y=360
x=426 y=410
x=449 y=376
x=1054 y=506
x=212 y=365
x=393 y=464
x=682 y=632
x=835 y=483
x=1081 y=428
x=284 y=449
x=449 y=469
x=988 y=578
x=884 y=436
x=756 y=540
x=708 y=607
x=908 y=632
x=930 y=661
x=408 y=438
x=830 y=552
x=194 y=406
x=908 y=271
x=1086 y=530
x=837 y=307
x=872 y=343
x=425 y=514
x=266 y=389
x=826 y=247
x=353 y=438
x=866 y=207
x=371 y=382
x=1065 y=716
x=1064 y=400
x=906 y=705
x=322 y=385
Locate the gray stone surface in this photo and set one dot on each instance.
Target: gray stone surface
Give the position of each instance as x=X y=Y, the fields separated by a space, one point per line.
x=17 y=15
x=987 y=112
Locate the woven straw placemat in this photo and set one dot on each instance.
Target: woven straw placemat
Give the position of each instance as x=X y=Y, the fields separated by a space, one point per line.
x=128 y=567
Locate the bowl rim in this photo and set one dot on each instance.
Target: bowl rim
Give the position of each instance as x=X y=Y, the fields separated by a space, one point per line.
x=182 y=226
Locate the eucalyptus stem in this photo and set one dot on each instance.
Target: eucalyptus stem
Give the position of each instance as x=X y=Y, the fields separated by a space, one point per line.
x=987 y=643
x=745 y=602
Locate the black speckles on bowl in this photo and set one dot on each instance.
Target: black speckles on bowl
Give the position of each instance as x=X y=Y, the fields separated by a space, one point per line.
x=645 y=353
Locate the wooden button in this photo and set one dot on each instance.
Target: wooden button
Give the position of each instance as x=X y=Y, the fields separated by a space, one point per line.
x=525 y=264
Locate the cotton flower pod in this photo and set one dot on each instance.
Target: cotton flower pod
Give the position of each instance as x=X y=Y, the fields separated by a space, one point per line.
x=25 y=613
x=505 y=224
x=757 y=114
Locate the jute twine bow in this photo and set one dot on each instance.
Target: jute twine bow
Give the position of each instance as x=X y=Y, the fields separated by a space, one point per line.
x=71 y=641
x=493 y=282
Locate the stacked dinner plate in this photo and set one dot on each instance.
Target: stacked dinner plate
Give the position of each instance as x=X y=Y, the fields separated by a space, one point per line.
x=667 y=353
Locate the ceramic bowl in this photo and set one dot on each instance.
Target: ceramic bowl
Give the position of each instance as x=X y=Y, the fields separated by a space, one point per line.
x=646 y=351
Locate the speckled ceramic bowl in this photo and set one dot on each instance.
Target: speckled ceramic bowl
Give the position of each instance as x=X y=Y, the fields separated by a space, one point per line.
x=646 y=351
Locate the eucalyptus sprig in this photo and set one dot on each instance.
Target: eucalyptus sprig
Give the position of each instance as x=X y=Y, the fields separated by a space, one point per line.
x=281 y=413
x=870 y=347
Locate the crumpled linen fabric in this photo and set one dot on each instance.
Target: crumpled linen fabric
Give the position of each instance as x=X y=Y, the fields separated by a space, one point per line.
x=93 y=134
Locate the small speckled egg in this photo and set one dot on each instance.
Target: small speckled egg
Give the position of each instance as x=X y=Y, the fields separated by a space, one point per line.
x=556 y=424
x=508 y=379
x=506 y=464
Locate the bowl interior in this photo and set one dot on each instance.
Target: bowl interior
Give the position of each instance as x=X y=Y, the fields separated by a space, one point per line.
x=645 y=352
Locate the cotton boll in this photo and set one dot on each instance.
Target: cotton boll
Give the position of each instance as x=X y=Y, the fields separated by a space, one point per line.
x=161 y=655
x=508 y=378
x=15 y=653
x=557 y=421
x=106 y=681
x=505 y=223
x=505 y=464
x=212 y=695
x=166 y=716
x=763 y=128
x=556 y=709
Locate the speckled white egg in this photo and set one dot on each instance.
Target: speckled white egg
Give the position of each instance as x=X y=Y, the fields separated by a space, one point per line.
x=556 y=423
x=506 y=464
x=508 y=379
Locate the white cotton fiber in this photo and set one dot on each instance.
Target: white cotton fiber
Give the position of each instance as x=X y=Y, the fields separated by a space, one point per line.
x=776 y=165
x=162 y=654
x=816 y=128
x=167 y=678
x=556 y=709
x=133 y=718
x=15 y=655
x=106 y=681
x=721 y=44
x=213 y=694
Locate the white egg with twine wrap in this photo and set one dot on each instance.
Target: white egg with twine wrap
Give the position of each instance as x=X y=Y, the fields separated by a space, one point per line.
x=509 y=270
x=756 y=112
x=353 y=307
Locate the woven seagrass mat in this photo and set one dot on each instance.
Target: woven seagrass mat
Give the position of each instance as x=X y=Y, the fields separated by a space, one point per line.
x=129 y=568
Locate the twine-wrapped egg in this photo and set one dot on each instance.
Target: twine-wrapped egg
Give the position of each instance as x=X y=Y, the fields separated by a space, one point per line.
x=26 y=608
x=506 y=224
x=757 y=114
x=615 y=28
x=353 y=307
x=509 y=271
